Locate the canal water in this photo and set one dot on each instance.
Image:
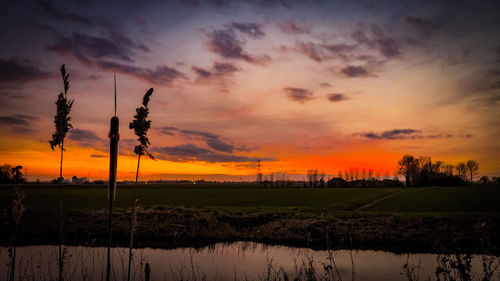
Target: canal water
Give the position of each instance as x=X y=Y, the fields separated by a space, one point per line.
x=236 y=261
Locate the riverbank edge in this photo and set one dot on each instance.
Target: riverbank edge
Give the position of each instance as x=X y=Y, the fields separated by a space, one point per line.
x=191 y=227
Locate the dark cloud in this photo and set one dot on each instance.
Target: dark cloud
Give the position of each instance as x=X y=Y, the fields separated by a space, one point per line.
x=118 y=37
x=393 y=134
x=167 y=130
x=219 y=69
x=60 y=14
x=98 y=156
x=425 y=26
x=292 y=27
x=95 y=51
x=336 y=97
x=299 y=94
x=18 y=123
x=86 y=46
x=312 y=50
x=19 y=71
x=213 y=141
x=325 y=85
x=224 y=43
x=85 y=137
x=387 y=45
x=192 y=152
x=159 y=75
x=342 y=51
x=253 y=30
x=202 y=73
x=355 y=71
x=322 y=52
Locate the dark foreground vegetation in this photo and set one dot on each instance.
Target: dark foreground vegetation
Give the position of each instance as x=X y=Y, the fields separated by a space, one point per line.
x=450 y=219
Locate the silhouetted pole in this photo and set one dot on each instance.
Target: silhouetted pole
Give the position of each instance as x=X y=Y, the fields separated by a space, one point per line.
x=113 y=161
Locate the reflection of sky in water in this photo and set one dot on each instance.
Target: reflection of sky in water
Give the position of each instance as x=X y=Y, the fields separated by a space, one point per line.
x=243 y=260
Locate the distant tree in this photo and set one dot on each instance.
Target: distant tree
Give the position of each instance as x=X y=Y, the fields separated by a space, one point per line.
x=484 y=180
x=321 y=177
x=472 y=167
x=448 y=169
x=141 y=125
x=339 y=175
x=312 y=177
x=495 y=179
x=461 y=170
x=17 y=175
x=407 y=166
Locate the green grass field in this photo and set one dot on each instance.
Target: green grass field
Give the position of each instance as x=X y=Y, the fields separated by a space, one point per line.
x=239 y=197
x=466 y=199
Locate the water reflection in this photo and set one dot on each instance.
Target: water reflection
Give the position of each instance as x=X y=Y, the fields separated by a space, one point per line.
x=242 y=261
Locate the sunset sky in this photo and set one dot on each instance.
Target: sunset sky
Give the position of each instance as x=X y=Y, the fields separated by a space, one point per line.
x=332 y=85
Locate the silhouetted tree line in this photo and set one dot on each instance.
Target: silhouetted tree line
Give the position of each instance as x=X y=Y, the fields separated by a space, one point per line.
x=423 y=172
x=9 y=174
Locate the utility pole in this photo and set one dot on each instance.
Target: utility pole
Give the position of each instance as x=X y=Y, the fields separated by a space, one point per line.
x=259 y=173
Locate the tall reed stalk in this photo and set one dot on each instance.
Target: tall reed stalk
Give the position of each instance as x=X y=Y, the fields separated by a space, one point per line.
x=62 y=124
x=140 y=125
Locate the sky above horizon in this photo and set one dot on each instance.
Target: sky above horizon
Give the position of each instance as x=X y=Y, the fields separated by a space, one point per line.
x=332 y=85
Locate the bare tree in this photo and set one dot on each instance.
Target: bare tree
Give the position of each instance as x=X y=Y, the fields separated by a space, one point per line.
x=472 y=167
x=448 y=169
x=321 y=177
x=461 y=169
x=407 y=166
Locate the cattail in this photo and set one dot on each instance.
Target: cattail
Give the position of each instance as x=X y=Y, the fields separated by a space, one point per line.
x=114 y=137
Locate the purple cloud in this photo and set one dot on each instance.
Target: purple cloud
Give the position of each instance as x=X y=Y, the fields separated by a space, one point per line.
x=298 y=94
x=336 y=97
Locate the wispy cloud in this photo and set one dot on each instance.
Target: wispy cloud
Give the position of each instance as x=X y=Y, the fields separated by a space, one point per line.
x=253 y=30
x=213 y=141
x=18 y=123
x=402 y=134
x=218 y=70
x=424 y=26
x=293 y=27
x=60 y=14
x=225 y=43
x=85 y=47
x=86 y=138
x=16 y=70
x=191 y=152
